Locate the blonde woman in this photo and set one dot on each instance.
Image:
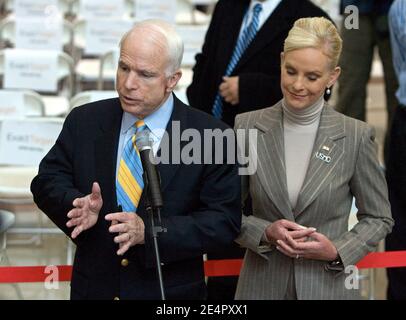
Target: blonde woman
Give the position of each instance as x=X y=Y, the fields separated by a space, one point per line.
x=311 y=162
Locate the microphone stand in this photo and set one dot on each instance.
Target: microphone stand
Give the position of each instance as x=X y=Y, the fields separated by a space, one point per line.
x=156 y=230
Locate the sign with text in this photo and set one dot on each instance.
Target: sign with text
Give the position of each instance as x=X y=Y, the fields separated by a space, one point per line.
x=155 y=9
x=38 y=34
x=11 y=104
x=26 y=142
x=36 y=8
x=101 y=9
x=28 y=69
x=102 y=37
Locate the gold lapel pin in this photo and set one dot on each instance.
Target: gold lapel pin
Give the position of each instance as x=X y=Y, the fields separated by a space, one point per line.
x=326 y=148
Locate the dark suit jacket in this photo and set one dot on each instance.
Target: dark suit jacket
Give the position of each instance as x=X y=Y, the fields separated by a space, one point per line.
x=259 y=66
x=201 y=207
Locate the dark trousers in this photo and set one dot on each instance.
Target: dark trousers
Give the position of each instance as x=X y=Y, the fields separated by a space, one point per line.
x=396 y=178
x=223 y=288
x=356 y=62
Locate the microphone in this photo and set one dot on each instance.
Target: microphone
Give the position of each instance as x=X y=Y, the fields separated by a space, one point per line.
x=151 y=179
x=154 y=201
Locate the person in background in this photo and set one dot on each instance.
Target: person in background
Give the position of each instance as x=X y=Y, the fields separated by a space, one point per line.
x=356 y=60
x=238 y=71
x=395 y=168
x=311 y=162
x=90 y=183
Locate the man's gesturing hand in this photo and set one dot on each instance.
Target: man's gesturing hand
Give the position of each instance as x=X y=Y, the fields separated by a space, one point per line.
x=130 y=228
x=85 y=213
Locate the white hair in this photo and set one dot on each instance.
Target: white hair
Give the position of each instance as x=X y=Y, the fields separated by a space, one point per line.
x=173 y=41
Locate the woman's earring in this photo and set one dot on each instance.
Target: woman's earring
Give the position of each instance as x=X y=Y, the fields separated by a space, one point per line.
x=328 y=91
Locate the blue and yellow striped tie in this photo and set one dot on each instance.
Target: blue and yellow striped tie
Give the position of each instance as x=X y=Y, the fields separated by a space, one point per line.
x=242 y=44
x=129 y=182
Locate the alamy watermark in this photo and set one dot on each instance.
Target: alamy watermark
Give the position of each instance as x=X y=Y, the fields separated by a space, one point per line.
x=212 y=146
x=353 y=278
x=51 y=282
x=351 y=20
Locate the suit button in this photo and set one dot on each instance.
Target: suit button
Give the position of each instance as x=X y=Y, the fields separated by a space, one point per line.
x=116 y=298
x=124 y=262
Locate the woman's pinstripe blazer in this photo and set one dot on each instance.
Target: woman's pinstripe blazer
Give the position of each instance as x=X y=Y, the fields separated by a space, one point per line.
x=324 y=203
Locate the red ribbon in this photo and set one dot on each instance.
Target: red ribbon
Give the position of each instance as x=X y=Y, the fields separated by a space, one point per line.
x=212 y=268
x=34 y=274
x=389 y=259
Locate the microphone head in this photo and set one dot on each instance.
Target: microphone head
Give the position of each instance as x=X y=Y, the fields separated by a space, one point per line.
x=143 y=141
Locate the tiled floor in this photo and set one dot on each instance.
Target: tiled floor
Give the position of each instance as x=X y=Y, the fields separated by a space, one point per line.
x=52 y=249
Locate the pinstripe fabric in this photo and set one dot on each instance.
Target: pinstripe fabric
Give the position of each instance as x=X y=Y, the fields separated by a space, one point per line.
x=324 y=203
x=242 y=44
x=129 y=182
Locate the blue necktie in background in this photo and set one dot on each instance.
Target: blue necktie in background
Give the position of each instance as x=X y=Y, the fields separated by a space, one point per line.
x=242 y=44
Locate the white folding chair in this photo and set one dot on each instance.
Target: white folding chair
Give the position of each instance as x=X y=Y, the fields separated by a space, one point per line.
x=7 y=220
x=193 y=39
x=89 y=66
x=91 y=96
x=56 y=104
x=63 y=5
x=75 y=9
x=17 y=172
x=8 y=33
x=32 y=103
x=15 y=185
x=108 y=67
x=65 y=68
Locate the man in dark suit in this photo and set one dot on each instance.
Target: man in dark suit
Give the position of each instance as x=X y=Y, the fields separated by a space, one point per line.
x=81 y=181
x=254 y=82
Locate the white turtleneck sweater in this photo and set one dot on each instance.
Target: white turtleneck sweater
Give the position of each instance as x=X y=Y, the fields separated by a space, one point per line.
x=300 y=129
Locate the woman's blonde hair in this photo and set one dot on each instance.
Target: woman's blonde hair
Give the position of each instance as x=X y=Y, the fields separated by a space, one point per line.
x=319 y=33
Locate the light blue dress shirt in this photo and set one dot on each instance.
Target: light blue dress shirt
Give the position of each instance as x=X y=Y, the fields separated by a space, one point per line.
x=156 y=123
x=268 y=7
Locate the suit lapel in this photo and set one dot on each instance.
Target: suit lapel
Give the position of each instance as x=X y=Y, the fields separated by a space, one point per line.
x=106 y=145
x=271 y=159
x=326 y=155
x=272 y=27
x=167 y=167
x=172 y=144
